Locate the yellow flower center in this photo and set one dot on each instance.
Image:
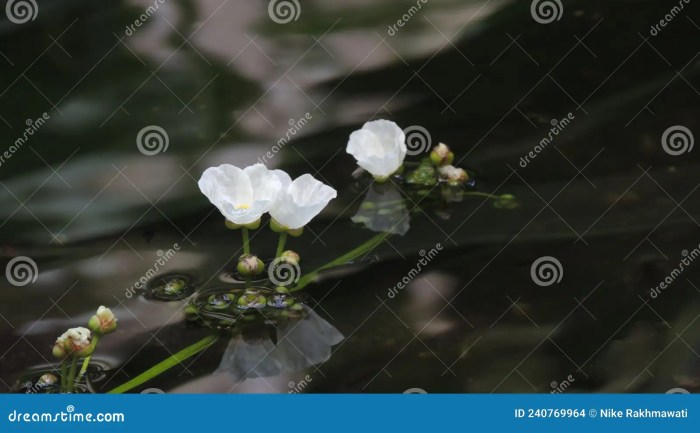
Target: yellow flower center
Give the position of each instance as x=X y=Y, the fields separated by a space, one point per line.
x=241 y=206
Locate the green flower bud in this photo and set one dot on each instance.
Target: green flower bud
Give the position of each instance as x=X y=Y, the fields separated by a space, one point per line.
x=103 y=322
x=441 y=155
x=290 y=256
x=58 y=350
x=75 y=341
x=249 y=265
x=453 y=175
x=47 y=380
x=277 y=227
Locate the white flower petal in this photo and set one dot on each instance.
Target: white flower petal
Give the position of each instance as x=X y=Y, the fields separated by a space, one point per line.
x=301 y=201
x=379 y=147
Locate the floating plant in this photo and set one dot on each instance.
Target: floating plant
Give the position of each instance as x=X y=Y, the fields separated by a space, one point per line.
x=170 y=287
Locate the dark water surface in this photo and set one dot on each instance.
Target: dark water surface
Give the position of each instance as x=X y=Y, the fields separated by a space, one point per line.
x=605 y=199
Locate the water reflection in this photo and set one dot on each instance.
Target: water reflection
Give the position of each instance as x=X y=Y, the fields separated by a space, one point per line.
x=294 y=346
x=383 y=210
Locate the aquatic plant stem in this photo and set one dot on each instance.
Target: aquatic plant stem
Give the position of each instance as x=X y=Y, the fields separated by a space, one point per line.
x=71 y=374
x=280 y=244
x=86 y=361
x=246 y=240
x=360 y=250
x=168 y=363
x=64 y=375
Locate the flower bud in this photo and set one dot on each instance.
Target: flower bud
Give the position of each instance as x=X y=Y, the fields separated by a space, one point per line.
x=103 y=322
x=441 y=155
x=46 y=380
x=453 y=175
x=291 y=257
x=254 y=225
x=249 y=265
x=295 y=232
x=75 y=341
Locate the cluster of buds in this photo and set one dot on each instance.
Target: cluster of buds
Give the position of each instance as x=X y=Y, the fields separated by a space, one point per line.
x=75 y=342
x=441 y=155
x=80 y=342
x=454 y=176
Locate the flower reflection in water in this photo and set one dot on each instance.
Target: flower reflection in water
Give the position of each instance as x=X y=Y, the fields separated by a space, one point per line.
x=384 y=210
x=259 y=351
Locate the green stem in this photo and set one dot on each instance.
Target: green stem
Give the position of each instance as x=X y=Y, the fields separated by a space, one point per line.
x=86 y=361
x=246 y=241
x=162 y=366
x=280 y=243
x=71 y=374
x=64 y=375
x=360 y=250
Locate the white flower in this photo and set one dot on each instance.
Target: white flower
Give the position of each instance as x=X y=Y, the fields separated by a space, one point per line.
x=242 y=196
x=73 y=341
x=103 y=322
x=299 y=201
x=379 y=147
